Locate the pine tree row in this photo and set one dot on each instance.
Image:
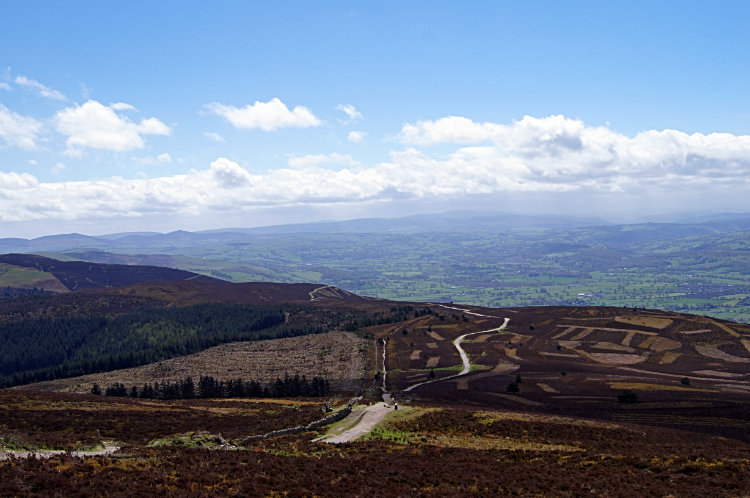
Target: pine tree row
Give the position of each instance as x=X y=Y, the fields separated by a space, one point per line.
x=208 y=387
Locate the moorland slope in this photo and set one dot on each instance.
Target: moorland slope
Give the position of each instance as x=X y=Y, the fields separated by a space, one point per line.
x=78 y=275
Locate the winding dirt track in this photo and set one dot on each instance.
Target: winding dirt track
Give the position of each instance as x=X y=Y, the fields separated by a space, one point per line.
x=464 y=356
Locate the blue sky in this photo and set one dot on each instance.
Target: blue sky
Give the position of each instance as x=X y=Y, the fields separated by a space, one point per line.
x=145 y=115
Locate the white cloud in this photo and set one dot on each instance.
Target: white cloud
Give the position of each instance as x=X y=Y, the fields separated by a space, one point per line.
x=31 y=161
x=350 y=111
x=267 y=116
x=356 y=136
x=214 y=136
x=97 y=126
x=17 y=130
x=58 y=168
x=17 y=181
x=39 y=89
x=164 y=158
x=121 y=106
x=547 y=156
x=229 y=175
x=315 y=160
x=4 y=85
x=453 y=129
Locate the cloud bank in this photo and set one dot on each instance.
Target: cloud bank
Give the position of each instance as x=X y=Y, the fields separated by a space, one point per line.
x=553 y=155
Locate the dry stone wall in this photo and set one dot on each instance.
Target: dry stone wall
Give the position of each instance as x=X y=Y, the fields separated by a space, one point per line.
x=329 y=419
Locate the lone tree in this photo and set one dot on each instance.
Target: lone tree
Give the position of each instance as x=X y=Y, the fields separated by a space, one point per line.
x=432 y=373
x=519 y=380
x=513 y=388
x=685 y=381
x=627 y=397
x=95 y=389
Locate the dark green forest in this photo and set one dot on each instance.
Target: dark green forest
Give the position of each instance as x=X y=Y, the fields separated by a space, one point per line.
x=48 y=348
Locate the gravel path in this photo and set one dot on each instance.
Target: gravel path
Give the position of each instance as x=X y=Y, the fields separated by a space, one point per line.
x=372 y=416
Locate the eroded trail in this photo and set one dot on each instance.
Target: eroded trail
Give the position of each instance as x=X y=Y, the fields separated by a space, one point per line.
x=462 y=353
x=43 y=454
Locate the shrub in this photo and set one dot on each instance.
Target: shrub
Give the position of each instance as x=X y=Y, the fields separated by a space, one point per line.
x=627 y=397
x=513 y=388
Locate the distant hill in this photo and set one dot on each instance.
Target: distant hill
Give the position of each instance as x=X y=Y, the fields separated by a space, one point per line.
x=595 y=230
x=77 y=275
x=130 y=241
x=443 y=222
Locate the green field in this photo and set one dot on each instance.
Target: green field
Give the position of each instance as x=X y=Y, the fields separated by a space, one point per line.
x=704 y=273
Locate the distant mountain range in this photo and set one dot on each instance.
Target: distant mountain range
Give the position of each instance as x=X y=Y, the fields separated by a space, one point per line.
x=453 y=221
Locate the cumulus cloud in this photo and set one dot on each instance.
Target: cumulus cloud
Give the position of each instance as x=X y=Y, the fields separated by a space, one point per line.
x=229 y=175
x=315 y=160
x=356 y=136
x=39 y=89
x=97 y=126
x=267 y=116
x=19 y=131
x=4 y=85
x=58 y=168
x=547 y=155
x=214 y=136
x=164 y=158
x=350 y=111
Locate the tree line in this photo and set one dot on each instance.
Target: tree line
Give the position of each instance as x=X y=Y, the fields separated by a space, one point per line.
x=208 y=387
x=17 y=292
x=48 y=348
x=399 y=314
